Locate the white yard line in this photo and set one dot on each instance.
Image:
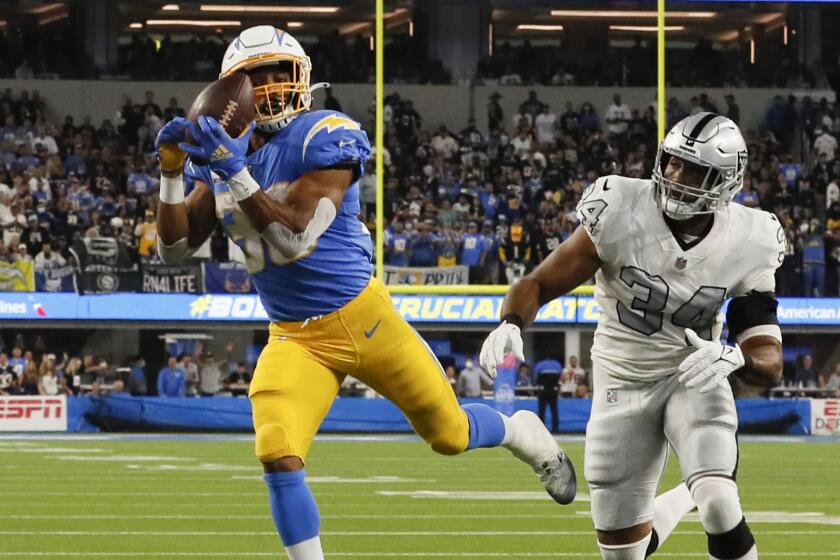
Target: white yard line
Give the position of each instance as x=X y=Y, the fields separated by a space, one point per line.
x=356 y=533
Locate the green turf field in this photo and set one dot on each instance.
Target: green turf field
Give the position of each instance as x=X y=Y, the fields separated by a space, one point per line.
x=165 y=499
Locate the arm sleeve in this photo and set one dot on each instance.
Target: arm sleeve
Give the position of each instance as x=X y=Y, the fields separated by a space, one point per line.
x=751 y=310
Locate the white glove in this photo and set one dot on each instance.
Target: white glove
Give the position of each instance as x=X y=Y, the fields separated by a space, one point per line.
x=505 y=338
x=710 y=364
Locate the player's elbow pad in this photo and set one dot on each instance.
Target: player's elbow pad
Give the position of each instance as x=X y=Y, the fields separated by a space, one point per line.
x=176 y=253
x=291 y=244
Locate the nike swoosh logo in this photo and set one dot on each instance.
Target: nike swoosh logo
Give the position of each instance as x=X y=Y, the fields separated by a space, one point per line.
x=372 y=331
x=343 y=143
x=606 y=188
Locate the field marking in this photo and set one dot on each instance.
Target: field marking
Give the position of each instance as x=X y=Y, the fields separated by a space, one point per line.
x=342 y=480
x=240 y=554
x=64 y=533
x=267 y=515
x=467 y=495
x=783 y=517
x=124 y=458
x=50 y=450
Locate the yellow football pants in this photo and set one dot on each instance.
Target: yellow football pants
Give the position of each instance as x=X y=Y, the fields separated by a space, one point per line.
x=301 y=369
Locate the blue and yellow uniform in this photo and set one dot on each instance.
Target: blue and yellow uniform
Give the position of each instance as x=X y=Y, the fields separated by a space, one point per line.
x=330 y=317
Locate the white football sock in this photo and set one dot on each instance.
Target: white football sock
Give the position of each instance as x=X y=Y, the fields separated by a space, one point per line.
x=669 y=508
x=528 y=438
x=632 y=551
x=307 y=550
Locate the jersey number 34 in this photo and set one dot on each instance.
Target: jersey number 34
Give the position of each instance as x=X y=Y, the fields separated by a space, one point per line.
x=645 y=314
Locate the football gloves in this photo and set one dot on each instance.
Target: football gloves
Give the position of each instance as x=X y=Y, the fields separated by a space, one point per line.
x=710 y=364
x=507 y=337
x=171 y=157
x=225 y=155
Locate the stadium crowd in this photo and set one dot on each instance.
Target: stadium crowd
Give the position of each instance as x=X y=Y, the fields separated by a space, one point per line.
x=28 y=372
x=501 y=202
x=496 y=202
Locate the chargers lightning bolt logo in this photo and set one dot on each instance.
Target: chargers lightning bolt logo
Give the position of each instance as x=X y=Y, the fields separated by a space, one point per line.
x=330 y=123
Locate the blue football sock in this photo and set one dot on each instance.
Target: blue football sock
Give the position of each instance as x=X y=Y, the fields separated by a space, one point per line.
x=292 y=506
x=486 y=426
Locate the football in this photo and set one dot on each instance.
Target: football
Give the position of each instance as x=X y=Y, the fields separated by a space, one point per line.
x=229 y=100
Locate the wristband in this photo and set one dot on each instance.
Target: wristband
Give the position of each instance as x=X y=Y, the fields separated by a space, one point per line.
x=242 y=185
x=172 y=189
x=514 y=319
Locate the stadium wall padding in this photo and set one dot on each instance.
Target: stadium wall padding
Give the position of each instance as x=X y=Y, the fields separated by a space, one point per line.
x=126 y=413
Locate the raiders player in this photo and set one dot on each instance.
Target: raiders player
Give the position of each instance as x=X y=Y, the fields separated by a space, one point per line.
x=666 y=253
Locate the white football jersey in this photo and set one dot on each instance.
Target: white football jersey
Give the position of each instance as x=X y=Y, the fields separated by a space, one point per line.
x=650 y=289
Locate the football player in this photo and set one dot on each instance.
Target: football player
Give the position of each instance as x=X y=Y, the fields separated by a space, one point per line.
x=666 y=253
x=291 y=205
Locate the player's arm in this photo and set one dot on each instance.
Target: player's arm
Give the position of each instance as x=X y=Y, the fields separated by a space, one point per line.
x=183 y=224
x=567 y=267
x=291 y=225
x=754 y=325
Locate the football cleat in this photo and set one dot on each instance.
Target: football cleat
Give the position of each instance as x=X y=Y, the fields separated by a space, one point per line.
x=558 y=478
x=536 y=446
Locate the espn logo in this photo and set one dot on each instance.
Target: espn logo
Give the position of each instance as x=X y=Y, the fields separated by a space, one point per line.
x=31 y=408
x=33 y=414
x=828 y=418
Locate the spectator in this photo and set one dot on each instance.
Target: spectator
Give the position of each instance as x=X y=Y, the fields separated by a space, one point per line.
x=572 y=376
x=806 y=373
x=331 y=103
x=146 y=233
x=171 y=380
x=190 y=369
x=471 y=380
x=832 y=383
x=545 y=124
x=617 y=118
x=137 y=384
x=733 y=112
x=524 y=376
x=398 y=248
x=238 y=381
x=548 y=379
x=48 y=260
x=210 y=374
x=452 y=377
x=8 y=377
x=30 y=380
x=531 y=106
x=824 y=144
x=495 y=115
x=34 y=236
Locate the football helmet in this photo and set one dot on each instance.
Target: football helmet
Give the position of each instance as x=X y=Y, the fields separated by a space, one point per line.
x=280 y=102
x=711 y=143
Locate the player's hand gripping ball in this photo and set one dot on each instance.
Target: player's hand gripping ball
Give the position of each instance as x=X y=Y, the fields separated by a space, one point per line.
x=225 y=155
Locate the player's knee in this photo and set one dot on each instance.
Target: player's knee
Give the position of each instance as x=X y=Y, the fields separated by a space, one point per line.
x=272 y=443
x=447 y=443
x=717 y=503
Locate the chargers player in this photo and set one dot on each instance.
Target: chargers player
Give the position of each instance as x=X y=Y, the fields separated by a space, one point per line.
x=292 y=206
x=666 y=253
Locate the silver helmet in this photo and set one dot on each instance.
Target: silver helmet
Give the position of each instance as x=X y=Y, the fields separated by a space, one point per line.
x=711 y=143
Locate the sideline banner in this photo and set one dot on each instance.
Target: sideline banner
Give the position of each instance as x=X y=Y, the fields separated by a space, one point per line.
x=825 y=417
x=433 y=275
x=33 y=414
x=17 y=276
x=227 y=278
x=165 y=279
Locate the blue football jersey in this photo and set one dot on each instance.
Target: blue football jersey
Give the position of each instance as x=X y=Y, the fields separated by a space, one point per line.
x=339 y=267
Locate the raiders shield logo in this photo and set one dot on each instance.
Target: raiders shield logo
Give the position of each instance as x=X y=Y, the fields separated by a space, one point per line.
x=612 y=396
x=681 y=262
